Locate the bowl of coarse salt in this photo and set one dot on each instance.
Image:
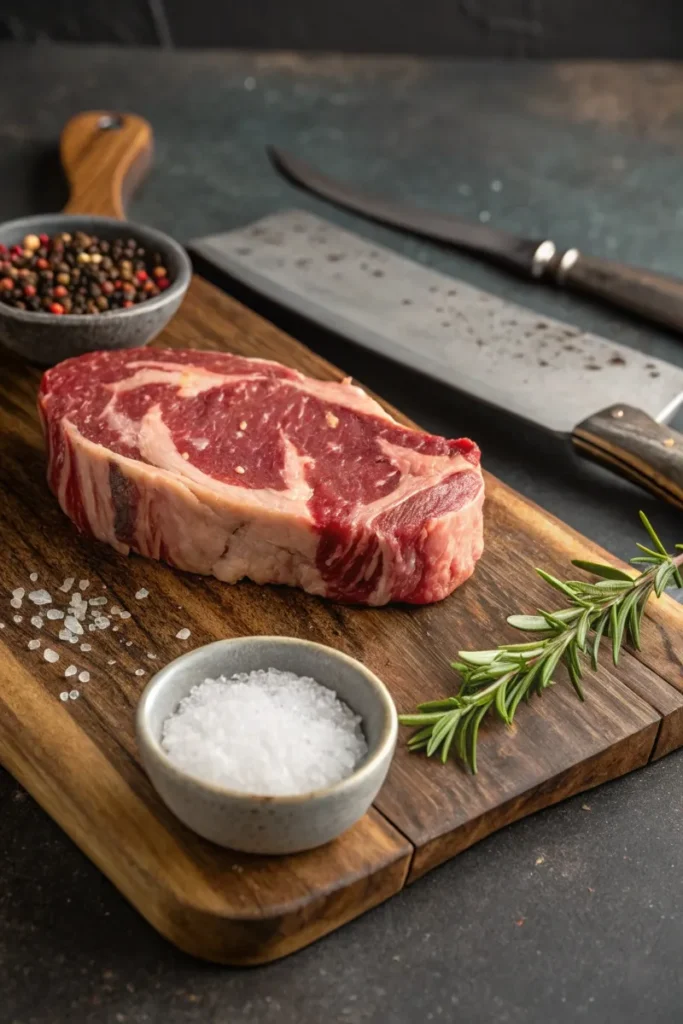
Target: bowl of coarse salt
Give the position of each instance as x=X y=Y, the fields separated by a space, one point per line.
x=267 y=745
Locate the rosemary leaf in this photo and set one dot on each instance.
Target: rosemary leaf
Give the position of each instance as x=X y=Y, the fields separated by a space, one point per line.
x=496 y=681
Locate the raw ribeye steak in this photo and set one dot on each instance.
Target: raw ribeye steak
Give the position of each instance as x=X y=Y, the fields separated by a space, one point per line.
x=239 y=467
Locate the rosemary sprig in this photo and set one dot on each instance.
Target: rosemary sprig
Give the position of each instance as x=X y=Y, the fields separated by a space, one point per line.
x=497 y=680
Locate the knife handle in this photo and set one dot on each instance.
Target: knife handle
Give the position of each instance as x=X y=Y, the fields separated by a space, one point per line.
x=636 y=446
x=651 y=295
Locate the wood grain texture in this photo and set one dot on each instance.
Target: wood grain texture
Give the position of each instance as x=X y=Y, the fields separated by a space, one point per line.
x=638 y=447
x=651 y=295
x=79 y=759
x=104 y=155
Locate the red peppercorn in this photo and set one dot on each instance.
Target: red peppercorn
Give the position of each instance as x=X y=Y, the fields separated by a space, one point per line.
x=17 y=250
x=107 y=287
x=163 y=283
x=128 y=303
x=42 y=264
x=7 y=284
x=44 y=239
x=141 y=275
x=56 y=308
x=3 y=249
x=59 y=291
x=29 y=290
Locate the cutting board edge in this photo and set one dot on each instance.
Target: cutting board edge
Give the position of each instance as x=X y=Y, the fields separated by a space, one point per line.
x=444 y=848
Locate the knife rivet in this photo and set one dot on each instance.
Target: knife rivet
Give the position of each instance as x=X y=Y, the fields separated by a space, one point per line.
x=668 y=442
x=617 y=413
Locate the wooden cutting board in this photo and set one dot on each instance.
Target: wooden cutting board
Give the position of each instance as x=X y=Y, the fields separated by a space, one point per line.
x=78 y=758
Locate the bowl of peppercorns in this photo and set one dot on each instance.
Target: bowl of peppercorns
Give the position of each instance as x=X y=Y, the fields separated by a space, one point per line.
x=71 y=284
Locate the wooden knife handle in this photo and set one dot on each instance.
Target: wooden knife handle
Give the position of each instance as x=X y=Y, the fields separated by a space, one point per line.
x=636 y=446
x=105 y=155
x=653 y=296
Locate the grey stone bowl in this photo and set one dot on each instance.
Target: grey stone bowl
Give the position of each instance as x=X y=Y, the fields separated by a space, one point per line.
x=46 y=339
x=268 y=824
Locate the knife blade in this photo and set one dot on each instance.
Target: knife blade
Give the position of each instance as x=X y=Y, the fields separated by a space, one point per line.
x=613 y=401
x=656 y=297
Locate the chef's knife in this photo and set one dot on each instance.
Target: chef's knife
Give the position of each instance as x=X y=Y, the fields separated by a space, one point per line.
x=653 y=296
x=612 y=401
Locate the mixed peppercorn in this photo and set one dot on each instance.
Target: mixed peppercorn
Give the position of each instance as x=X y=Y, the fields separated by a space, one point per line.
x=79 y=273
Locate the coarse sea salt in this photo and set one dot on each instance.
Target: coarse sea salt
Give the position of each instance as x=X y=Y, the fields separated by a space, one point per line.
x=84 y=677
x=73 y=625
x=70 y=671
x=54 y=613
x=183 y=634
x=83 y=584
x=141 y=594
x=16 y=602
x=18 y=593
x=67 y=584
x=40 y=597
x=33 y=645
x=50 y=655
x=267 y=732
x=85 y=648
x=33 y=577
x=37 y=621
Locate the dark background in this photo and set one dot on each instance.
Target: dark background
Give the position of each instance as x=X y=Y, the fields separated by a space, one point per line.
x=472 y=28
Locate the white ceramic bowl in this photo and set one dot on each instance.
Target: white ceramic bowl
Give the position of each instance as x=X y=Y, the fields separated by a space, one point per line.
x=268 y=824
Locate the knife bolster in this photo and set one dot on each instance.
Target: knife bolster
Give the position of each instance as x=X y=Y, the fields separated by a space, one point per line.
x=637 y=447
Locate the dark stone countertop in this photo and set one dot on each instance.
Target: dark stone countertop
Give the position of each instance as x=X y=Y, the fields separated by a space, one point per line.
x=574 y=914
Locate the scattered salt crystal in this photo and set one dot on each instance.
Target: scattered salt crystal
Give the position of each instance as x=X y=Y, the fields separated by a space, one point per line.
x=240 y=469
x=84 y=677
x=92 y=627
x=18 y=593
x=64 y=695
x=74 y=694
x=129 y=643
x=77 y=599
x=85 y=648
x=54 y=613
x=72 y=624
x=50 y=655
x=70 y=671
x=2 y=625
x=97 y=602
x=73 y=639
x=16 y=602
x=33 y=645
x=115 y=610
x=200 y=443
x=139 y=671
x=141 y=594
x=230 y=732
x=186 y=456
x=124 y=615
x=83 y=584
x=37 y=621
x=102 y=622
x=65 y=634
x=243 y=425
x=67 y=584
x=33 y=577
x=151 y=656
x=17 y=619
x=183 y=634
x=115 y=629
x=112 y=661
x=40 y=597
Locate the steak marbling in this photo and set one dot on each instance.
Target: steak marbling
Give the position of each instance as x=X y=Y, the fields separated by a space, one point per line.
x=237 y=467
